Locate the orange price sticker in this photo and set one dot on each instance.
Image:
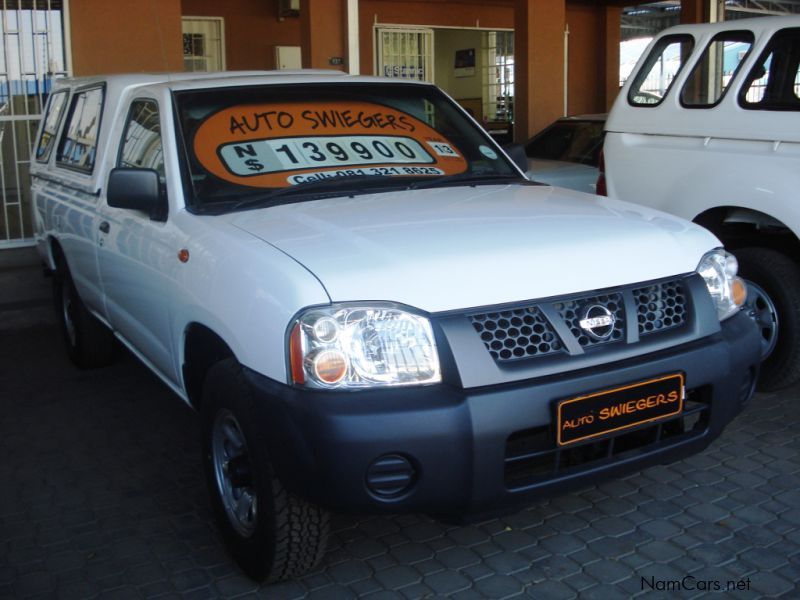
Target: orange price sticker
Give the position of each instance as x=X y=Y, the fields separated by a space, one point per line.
x=277 y=145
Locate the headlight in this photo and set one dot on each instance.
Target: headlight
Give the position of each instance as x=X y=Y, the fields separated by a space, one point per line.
x=352 y=346
x=718 y=269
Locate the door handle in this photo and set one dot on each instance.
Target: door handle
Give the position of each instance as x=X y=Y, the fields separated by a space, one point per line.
x=105 y=227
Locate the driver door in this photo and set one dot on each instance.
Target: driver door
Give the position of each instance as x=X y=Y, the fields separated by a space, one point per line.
x=137 y=258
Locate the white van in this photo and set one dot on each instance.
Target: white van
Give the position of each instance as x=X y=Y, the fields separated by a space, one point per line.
x=708 y=128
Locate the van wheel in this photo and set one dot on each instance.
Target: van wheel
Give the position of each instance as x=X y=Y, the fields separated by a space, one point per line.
x=775 y=306
x=271 y=533
x=89 y=343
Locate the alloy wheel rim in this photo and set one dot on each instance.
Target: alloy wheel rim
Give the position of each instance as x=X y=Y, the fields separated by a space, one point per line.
x=761 y=309
x=233 y=473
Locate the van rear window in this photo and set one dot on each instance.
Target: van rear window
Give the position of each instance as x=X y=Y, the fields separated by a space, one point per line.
x=774 y=81
x=660 y=69
x=716 y=68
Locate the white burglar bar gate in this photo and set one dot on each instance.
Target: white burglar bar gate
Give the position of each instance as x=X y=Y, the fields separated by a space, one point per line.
x=31 y=55
x=405 y=53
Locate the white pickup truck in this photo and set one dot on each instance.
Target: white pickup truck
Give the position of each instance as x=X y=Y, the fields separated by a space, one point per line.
x=707 y=127
x=369 y=305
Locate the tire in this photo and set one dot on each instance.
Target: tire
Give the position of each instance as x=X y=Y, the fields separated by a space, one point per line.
x=272 y=534
x=777 y=276
x=89 y=343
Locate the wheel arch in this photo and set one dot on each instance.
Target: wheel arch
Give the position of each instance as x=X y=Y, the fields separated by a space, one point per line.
x=53 y=252
x=738 y=227
x=202 y=348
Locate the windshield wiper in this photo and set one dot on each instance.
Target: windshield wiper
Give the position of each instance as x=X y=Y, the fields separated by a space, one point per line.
x=330 y=186
x=469 y=179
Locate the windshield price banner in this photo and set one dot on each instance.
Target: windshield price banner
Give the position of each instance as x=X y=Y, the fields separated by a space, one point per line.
x=276 y=145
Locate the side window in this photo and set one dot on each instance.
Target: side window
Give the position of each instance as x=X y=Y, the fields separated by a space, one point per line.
x=141 y=142
x=709 y=79
x=661 y=67
x=52 y=120
x=77 y=148
x=774 y=81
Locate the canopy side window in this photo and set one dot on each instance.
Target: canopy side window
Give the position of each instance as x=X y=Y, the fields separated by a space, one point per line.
x=717 y=67
x=660 y=69
x=774 y=81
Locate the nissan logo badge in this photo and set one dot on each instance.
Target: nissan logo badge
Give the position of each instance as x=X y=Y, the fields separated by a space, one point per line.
x=598 y=322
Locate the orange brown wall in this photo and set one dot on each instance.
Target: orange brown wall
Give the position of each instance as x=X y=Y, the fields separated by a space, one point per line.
x=593 y=58
x=538 y=65
x=146 y=36
x=122 y=37
x=324 y=33
x=252 y=30
x=585 y=83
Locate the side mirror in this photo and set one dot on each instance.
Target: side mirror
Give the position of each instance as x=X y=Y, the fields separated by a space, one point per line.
x=516 y=152
x=138 y=189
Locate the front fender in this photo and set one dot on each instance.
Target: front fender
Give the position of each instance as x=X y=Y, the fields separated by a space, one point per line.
x=246 y=292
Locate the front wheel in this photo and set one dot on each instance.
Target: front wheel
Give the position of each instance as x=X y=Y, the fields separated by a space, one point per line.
x=774 y=304
x=271 y=533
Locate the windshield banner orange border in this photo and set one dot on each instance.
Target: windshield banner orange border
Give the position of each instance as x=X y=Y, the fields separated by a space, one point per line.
x=277 y=145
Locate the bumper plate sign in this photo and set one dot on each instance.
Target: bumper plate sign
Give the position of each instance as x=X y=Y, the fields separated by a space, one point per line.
x=601 y=413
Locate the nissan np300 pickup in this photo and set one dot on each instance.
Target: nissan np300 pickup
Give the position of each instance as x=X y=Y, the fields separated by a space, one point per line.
x=370 y=306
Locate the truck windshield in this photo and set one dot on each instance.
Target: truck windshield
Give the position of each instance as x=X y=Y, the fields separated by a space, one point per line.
x=247 y=145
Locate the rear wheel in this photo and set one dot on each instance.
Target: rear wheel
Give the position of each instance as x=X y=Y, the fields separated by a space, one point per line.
x=774 y=304
x=271 y=533
x=89 y=343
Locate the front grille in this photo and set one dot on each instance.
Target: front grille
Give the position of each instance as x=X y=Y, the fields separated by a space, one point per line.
x=553 y=327
x=660 y=306
x=532 y=455
x=518 y=333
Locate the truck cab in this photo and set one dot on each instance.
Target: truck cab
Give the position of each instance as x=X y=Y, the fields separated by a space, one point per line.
x=369 y=305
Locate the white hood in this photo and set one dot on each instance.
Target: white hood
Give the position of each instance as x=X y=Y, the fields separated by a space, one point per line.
x=574 y=176
x=461 y=247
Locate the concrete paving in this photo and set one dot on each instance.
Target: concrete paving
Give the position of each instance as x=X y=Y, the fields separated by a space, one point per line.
x=25 y=298
x=102 y=495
